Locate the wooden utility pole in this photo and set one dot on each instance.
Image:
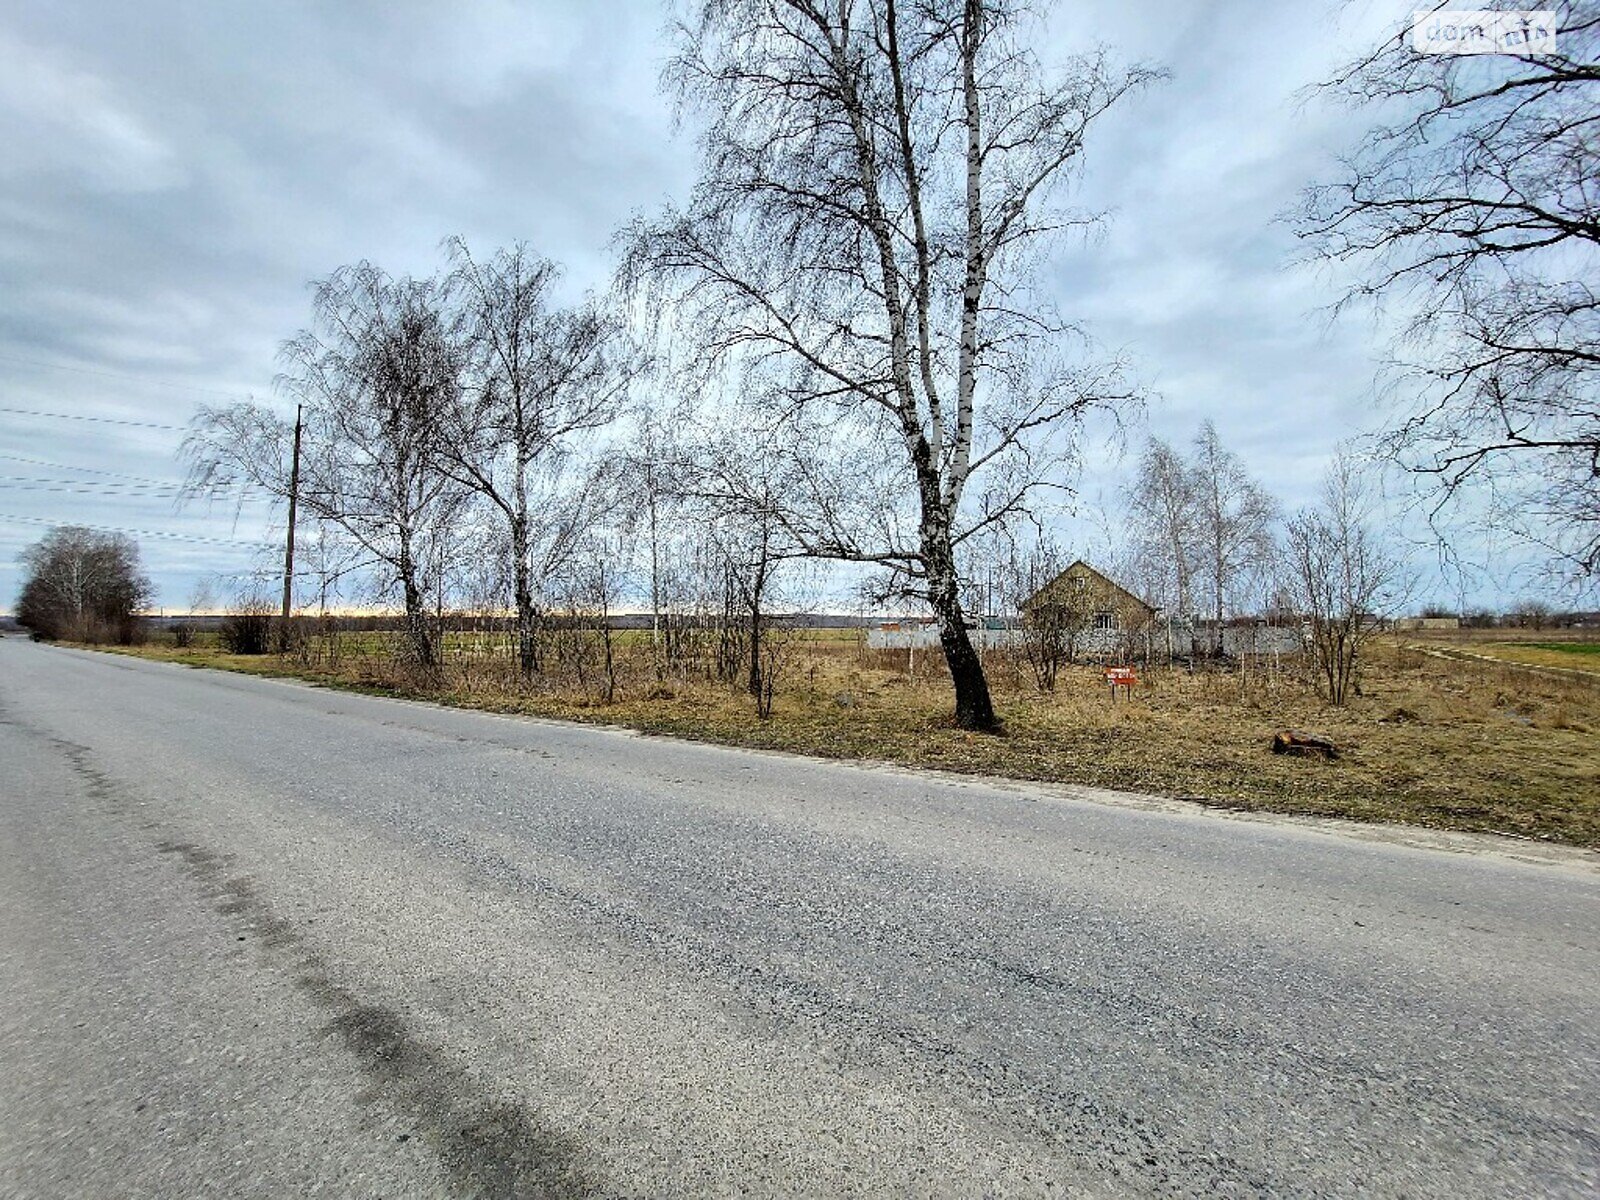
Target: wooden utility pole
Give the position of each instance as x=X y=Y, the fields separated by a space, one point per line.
x=288 y=548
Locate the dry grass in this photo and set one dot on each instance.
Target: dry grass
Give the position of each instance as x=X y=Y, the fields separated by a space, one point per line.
x=1531 y=650
x=1459 y=744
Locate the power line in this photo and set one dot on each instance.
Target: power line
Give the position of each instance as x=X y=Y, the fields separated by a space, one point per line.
x=132 y=491
x=88 y=487
x=131 y=481
x=181 y=387
x=29 y=412
x=40 y=462
x=126 y=481
x=147 y=533
x=216 y=490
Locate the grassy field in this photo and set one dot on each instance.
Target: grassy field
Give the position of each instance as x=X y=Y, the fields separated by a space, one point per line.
x=1467 y=744
x=1575 y=655
x=1564 y=656
x=1588 y=649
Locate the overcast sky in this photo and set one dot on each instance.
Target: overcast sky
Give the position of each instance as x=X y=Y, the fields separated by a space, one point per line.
x=173 y=174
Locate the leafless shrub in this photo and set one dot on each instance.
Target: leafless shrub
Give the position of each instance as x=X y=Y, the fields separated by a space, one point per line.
x=1344 y=578
x=247 y=629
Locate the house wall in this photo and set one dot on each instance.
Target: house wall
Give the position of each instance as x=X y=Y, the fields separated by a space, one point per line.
x=1084 y=592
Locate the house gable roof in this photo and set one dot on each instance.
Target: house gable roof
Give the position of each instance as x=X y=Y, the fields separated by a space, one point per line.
x=1112 y=589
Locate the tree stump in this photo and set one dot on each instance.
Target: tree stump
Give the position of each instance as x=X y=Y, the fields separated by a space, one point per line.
x=1303 y=745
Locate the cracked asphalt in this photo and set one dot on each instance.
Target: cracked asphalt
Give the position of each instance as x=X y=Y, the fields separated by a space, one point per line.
x=260 y=939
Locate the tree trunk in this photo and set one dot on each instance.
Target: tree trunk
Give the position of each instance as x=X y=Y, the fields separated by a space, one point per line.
x=754 y=683
x=527 y=634
x=974 y=708
x=756 y=597
x=1218 y=568
x=522 y=586
x=417 y=631
x=416 y=609
x=655 y=570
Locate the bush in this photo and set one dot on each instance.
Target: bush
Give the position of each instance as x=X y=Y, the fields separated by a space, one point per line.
x=246 y=633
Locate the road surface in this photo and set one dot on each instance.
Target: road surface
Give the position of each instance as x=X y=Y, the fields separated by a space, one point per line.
x=260 y=939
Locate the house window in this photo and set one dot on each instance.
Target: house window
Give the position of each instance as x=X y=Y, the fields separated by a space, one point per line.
x=1105 y=620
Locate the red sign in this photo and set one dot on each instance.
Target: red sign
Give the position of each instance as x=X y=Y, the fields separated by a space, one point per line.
x=1121 y=676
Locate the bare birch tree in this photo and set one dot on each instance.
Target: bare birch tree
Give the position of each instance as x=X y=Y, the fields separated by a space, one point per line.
x=875 y=191
x=1234 y=518
x=749 y=539
x=1475 y=205
x=731 y=480
x=1202 y=525
x=1166 y=522
x=1342 y=576
x=83 y=584
x=539 y=378
x=372 y=370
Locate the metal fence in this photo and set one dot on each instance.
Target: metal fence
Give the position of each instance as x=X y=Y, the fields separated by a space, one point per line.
x=1176 y=639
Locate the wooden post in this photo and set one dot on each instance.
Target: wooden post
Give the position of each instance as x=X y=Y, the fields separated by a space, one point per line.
x=288 y=547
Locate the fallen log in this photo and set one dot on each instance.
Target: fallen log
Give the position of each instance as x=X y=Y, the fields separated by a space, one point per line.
x=1303 y=745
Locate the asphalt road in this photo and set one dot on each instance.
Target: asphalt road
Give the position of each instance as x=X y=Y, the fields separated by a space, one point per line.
x=258 y=939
